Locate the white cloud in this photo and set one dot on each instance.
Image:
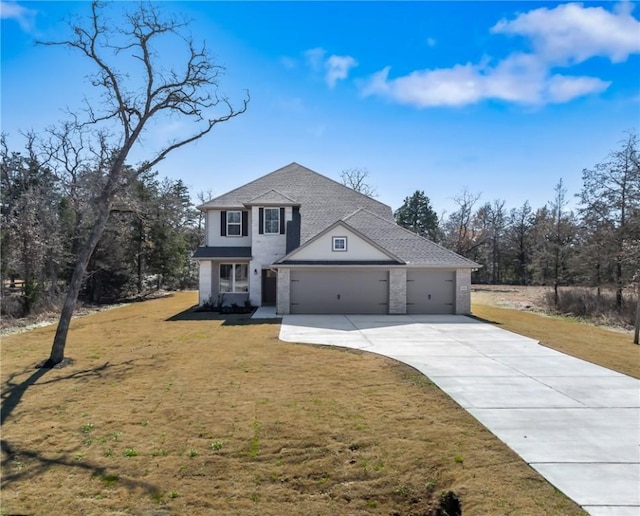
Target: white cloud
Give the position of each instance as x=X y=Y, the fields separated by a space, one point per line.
x=560 y=37
x=337 y=68
x=520 y=78
x=334 y=67
x=455 y=86
x=562 y=88
x=23 y=15
x=572 y=33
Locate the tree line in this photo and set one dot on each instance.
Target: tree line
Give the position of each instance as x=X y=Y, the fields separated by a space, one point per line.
x=597 y=244
x=47 y=214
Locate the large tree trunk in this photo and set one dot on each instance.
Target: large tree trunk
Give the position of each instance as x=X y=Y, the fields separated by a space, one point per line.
x=60 y=339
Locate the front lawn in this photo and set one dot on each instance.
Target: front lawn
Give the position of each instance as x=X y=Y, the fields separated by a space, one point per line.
x=189 y=415
x=608 y=348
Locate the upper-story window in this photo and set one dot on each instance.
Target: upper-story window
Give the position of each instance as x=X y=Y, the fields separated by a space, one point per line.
x=271 y=221
x=234 y=223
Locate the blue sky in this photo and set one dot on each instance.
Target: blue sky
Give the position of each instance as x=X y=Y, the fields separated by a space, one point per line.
x=500 y=98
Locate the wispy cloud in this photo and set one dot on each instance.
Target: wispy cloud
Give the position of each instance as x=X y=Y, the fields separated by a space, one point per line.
x=317 y=131
x=288 y=62
x=315 y=58
x=334 y=68
x=566 y=35
x=23 y=15
x=337 y=68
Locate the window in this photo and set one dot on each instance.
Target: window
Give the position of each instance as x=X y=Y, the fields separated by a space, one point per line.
x=234 y=277
x=271 y=221
x=339 y=243
x=234 y=223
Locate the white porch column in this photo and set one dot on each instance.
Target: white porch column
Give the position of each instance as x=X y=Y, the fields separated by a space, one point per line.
x=204 y=282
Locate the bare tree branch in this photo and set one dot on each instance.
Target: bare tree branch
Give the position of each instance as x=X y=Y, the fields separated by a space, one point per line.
x=128 y=103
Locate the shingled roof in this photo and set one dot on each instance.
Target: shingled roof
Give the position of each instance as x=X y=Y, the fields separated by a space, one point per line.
x=322 y=200
x=411 y=248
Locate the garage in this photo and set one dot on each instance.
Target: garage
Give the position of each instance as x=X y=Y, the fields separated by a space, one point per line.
x=339 y=291
x=431 y=291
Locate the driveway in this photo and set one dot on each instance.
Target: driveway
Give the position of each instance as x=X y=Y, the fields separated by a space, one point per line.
x=576 y=423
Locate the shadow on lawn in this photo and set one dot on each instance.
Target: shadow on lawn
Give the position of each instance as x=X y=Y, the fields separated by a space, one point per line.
x=18 y=464
x=13 y=391
x=191 y=314
x=480 y=319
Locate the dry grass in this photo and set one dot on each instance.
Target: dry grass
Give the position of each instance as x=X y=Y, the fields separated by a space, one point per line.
x=612 y=349
x=208 y=417
x=510 y=296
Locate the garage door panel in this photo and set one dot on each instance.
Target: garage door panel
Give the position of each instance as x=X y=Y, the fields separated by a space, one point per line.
x=431 y=292
x=339 y=292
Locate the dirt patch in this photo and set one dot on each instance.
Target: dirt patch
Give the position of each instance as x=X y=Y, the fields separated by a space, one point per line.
x=158 y=415
x=510 y=296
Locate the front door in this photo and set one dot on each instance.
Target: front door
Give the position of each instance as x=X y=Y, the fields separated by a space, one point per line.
x=269 y=287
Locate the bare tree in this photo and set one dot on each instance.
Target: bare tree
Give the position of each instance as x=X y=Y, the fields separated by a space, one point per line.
x=561 y=232
x=460 y=234
x=610 y=199
x=519 y=240
x=356 y=178
x=149 y=92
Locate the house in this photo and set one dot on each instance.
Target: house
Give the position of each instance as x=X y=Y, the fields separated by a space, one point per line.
x=307 y=244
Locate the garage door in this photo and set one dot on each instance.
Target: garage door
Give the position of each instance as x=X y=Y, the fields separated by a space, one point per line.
x=431 y=292
x=339 y=292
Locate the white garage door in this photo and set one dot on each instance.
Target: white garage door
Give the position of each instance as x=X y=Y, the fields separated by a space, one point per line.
x=431 y=291
x=339 y=292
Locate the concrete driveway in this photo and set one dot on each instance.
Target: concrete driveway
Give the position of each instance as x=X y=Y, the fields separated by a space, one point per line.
x=576 y=423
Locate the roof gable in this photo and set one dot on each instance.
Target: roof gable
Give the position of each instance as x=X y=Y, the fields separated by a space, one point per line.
x=322 y=200
x=359 y=248
x=272 y=197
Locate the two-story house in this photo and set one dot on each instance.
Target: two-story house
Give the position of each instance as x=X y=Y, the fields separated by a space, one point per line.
x=307 y=244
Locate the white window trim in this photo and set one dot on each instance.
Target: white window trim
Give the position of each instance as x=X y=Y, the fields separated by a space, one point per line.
x=264 y=222
x=338 y=249
x=233 y=278
x=239 y=224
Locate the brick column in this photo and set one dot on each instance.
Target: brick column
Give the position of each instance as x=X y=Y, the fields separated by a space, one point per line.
x=284 y=276
x=398 y=291
x=463 y=291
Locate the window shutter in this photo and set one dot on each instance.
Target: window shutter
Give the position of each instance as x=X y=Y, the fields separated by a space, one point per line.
x=245 y=223
x=282 y=221
x=223 y=223
x=261 y=220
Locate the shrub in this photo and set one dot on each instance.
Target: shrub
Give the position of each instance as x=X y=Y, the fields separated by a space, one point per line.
x=585 y=302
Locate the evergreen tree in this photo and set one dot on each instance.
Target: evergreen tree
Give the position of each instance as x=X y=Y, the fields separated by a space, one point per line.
x=416 y=215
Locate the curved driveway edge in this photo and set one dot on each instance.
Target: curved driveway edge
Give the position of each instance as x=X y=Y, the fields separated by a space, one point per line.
x=576 y=423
